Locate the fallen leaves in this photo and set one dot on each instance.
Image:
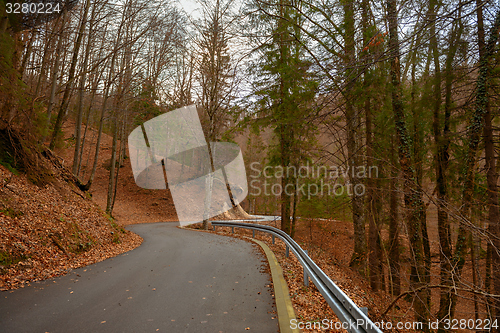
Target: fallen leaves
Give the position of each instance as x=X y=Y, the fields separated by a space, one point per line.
x=308 y=303
x=52 y=230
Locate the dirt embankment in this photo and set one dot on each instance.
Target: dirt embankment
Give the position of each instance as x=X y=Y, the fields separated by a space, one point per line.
x=52 y=227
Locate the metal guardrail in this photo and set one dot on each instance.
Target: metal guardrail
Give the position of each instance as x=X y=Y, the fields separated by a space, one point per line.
x=352 y=317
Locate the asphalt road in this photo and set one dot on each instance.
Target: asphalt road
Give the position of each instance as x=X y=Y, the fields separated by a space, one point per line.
x=176 y=281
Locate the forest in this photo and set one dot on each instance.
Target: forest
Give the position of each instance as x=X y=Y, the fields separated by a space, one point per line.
x=380 y=113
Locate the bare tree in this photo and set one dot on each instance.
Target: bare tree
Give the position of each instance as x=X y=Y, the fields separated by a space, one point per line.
x=215 y=72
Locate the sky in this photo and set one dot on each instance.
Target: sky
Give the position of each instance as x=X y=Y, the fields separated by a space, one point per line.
x=189 y=6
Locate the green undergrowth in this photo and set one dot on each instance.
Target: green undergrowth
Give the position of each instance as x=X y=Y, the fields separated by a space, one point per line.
x=118 y=228
x=82 y=240
x=7 y=259
x=11 y=212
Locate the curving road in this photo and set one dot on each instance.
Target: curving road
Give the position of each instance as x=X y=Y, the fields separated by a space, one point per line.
x=176 y=281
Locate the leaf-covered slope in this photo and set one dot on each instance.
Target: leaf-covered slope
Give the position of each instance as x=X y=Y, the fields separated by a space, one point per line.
x=46 y=231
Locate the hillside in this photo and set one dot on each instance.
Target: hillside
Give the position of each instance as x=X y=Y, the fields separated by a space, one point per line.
x=53 y=227
x=50 y=228
x=133 y=204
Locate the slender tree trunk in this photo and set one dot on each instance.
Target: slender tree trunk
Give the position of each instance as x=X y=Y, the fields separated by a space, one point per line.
x=359 y=256
x=475 y=129
x=419 y=156
x=83 y=78
x=375 y=251
x=412 y=197
x=27 y=53
x=118 y=123
x=294 y=208
x=372 y=201
x=285 y=162
x=101 y=123
x=104 y=105
x=209 y=185
x=111 y=183
x=473 y=258
x=394 y=251
x=488 y=278
x=54 y=74
x=373 y=208
x=440 y=169
x=95 y=84
x=71 y=75
x=491 y=174
x=442 y=161
x=48 y=49
x=283 y=130
x=120 y=158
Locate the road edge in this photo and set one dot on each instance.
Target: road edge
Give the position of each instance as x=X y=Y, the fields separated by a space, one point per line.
x=284 y=307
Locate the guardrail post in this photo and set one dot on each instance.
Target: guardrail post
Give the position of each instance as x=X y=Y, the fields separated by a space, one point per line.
x=273 y=239
x=306 y=276
x=287 y=251
x=213 y=226
x=233 y=229
x=253 y=233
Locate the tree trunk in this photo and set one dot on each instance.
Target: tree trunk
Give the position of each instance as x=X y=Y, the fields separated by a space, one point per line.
x=294 y=209
x=372 y=202
x=285 y=196
x=209 y=182
x=71 y=75
x=48 y=49
x=412 y=196
x=101 y=122
x=95 y=84
x=475 y=129
x=27 y=54
x=104 y=104
x=394 y=254
x=111 y=183
x=83 y=78
x=375 y=250
x=283 y=130
x=491 y=174
x=54 y=74
x=120 y=159
x=442 y=160
x=359 y=256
